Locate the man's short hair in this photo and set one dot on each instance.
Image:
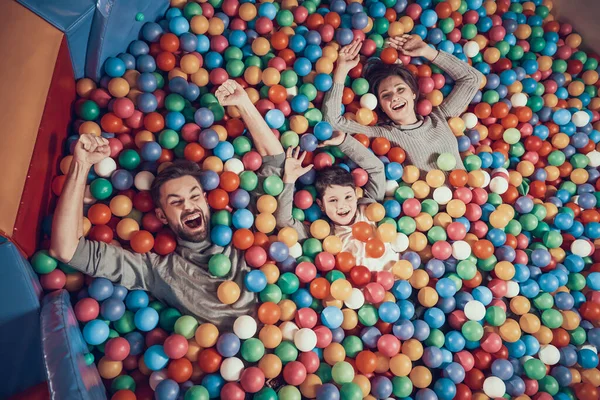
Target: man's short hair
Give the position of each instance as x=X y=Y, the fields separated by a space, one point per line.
x=176 y=170
x=334 y=175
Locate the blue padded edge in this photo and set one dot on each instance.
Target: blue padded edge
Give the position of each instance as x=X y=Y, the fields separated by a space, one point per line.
x=64 y=349
x=74 y=18
x=20 y=343
x=114 y=27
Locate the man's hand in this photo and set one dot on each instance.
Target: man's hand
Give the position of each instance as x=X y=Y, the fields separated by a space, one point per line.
x=412 y=45
x=335 y=140
x=348 y=56
x=231 y=93
x=91 y=149
x=293 y=168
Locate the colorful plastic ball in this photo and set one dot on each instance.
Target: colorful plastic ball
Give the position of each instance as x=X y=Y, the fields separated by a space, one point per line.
x=95 y=332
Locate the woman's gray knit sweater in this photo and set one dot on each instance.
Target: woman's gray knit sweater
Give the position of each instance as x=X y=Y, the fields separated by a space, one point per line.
x=425 y=140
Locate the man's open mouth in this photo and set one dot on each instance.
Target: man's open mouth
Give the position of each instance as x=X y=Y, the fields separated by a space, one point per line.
x=193 y=221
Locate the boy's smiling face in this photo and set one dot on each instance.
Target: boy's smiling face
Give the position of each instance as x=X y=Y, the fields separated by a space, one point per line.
x=339 y=203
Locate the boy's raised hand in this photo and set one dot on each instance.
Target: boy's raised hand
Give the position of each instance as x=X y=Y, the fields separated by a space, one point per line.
x=335 y=140
x=348 y=56
x=293 y=168
x=231 y=93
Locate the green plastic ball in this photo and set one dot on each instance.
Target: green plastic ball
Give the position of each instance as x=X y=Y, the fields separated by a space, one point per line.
x=219 y=265
x=446 y=162
x=125 y=324
x=42 y=263
x=167 y=318
x=353 y=345
x=252 y=350
x=89 y=110
x=174 y=102
x=196 y=392
x=266 y=393
x=286 y=351
x=402 y=386
x=186 y=326
x=101 y=188
x=271 y=293
x=288 y=282
x=311 y=247
x=248 y=181
x=360 y=86
x=342 y=372
x=273 y=185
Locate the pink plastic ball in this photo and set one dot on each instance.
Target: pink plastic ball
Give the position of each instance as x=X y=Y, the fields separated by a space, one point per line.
x=238 y=24
x=388 y=345
x=361 y=177
x=374 y=293
x=136 y=120
x=87 y=309
x=324 y=336
x=424 y=107
x=454 y=35
x=441 y=250
x=190 y=132
x=463 y=194
x=497 y=33
x=219 y=43
x=480 y=196
x=278 y=63
x=101 y=97
x=426 y=85
x=465 y=359
x=218 y=76
x=473 y=212
x=323 y=160
x=54 y=280
x=233 y=391
x=306 y=271
x=123 y=107
x=207 y=10
x=498 y=287
x=327 y=32
x=479 y=228
x=285 y=108
x=252 y=380
x=306 y=318
x=414 y=11
x=564 y=52
x=156 y=336
x=252 y=161
x=438 y=81
x=411 y=207
x=325 y=261
x=310 y=360
x=175 y=346
x=294 y=373
x=303 y=199
x=368 y=48
x=263 y=26
x=456 y=319
x=230 y=7
x=264 y=105
x=470 y=17
x=520 y=257
x=456 y=231
x=256 y=256
x=300 y=14
x=117 y=349
x=385 y=279
x=491 y=342
x=116 y=146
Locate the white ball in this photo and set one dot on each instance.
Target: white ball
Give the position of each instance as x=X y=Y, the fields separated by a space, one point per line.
x=305 y=339
x=486 y=178
x=594 y=157
x=390 y=188
x=157 y=377
x=499 y=185
x=87 y=196
x=474 y=310
x=245 y=327
x=582 y=248
x=105 y=168
x=461 y=250
x=549 y=354
x=494 y=387
x=356 y=299
x=513 y=289
x=518 y=100
x=471 y=48
x=143 y=180
x=292 y=91
x=470 y=120
x=296 y=250
x=234 y=165
x=589 y=347
x=288 y=330
x=368 y=101
x=401 y=242
x=442 y=195
x=231 y=369
x=580 y=118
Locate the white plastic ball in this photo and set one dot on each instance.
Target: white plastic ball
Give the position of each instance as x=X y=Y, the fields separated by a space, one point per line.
x=494 y=387
x=143 y=180
x=245 y=327
x=87 y=196
x=305 y=339
x=471 y=49
x=157 y=377
x=594 y=157
x=499 y=185
x=292 y=91
x=401 y=243
x=442 y=195
x=486 y=178
x=296 y=250
x=234 y=165
x=356 y=299
x=470 y=120
x=518 y=100
x=288 y=330
x=582 y=248
x=580 y=118
x=549 y=354
x=368 y=101
x=105 y=168
x=474 y=310
x=512 y=289
x=231 y=369
x=461 y=250
x=390 y=188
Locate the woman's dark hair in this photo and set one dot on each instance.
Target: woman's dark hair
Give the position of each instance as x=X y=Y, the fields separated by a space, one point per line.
x=176 y=170
x=376 y=71
x=334 y=175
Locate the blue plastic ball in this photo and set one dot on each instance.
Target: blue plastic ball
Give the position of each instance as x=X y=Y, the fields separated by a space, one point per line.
x=95 y=332
x=112 y=309
x=100 y=289
x=146 y=319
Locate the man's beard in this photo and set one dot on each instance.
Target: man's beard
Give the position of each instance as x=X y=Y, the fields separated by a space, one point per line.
x=196 y=236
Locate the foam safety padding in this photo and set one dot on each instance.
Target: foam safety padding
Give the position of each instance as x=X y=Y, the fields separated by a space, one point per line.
x=115 y=26
x=74 y=18
x=69 y=377
x=20 y=347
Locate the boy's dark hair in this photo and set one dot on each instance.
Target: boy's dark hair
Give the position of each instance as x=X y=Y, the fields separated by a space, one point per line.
x=376 y=71
x=176 y=170
x=334 y=175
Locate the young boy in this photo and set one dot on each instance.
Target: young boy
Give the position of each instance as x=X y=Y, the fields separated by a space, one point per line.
x=337 y=198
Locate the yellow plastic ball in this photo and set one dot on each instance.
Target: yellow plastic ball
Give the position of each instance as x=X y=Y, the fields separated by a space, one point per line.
x=529 y=323
x=332 y=244
x=320 y=229
x=407 y=22
x=334 y=353
x=199 y=24
x=579 y=176
x=288 y=310
x=504 y=270
x=520 y=305
x=324 y=65
x=270 y=336
x=413 y=349
x=365 y=386
x=201 y=77
x=266 y=204
x=121 y=205
x=427 y=296
x=350 y=319
x=364 y=116
x=424 y=222
x=421 y=189
x=265 y=222
x=421 y=377
x=109 y=369
x=271 y=272
x=403 y=269
x=127 y=227
x=206 y=335
x=400 y=365
x=270 y=76
x=189 y=64
x=216 y=26
x=387 y=233
x=261 y=46
x=417 y=241
x=573 y=40
x=341 y=289
x=456 y=208
x=410 y=174
x=576 y=88
x=510 y=331
x=309 y=387
x=419 y=279
x=288 y=235
x=118 y=87
x=213 y=163
x=299 y=124
x=247 y=11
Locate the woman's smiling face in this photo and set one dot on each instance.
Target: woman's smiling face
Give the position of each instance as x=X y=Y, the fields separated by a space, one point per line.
x=397 y=100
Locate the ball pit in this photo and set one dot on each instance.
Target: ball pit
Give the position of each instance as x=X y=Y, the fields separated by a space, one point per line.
x=495 y=294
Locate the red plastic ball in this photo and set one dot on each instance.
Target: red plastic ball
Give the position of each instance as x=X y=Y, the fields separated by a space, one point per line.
x=175 y=346
x=87 y=309
x=117 y=349
x=252 y=380
x=294 y=373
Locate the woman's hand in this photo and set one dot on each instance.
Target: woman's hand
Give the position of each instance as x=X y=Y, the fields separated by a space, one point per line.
x=231 y=93
x=335 y=140
x=413 y=46
x=348 y=56
x=293 y=168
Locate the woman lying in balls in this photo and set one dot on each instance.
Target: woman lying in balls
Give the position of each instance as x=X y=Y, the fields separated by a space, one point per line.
x=397 y=91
